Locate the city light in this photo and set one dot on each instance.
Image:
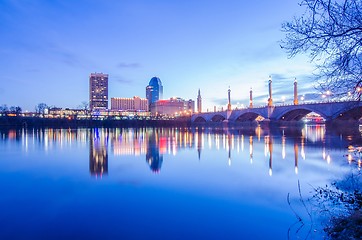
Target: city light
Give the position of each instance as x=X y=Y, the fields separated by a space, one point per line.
x=328 y=95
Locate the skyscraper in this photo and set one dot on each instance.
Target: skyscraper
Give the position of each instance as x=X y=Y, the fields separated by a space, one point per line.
x=199 y=102
x=98 y=91
x=154 y=90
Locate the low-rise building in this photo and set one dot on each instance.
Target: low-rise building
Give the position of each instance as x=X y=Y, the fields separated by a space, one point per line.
x=173 y=107
x=66 y=113
x=135 y=104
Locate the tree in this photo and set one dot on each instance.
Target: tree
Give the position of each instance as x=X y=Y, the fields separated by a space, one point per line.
x=4 y=108
x=15 y=110
x=331 y=32
x=84 y=105
x=18 y=110
x=40 y=108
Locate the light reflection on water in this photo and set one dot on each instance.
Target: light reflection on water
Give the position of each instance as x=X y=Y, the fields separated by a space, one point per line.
x=228 y=182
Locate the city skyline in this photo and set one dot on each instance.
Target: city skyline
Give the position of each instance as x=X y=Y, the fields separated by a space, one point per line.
x=50 y=48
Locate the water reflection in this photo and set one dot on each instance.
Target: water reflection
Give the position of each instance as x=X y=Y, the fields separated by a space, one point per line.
x=155 y=143
x=296 y=157
x=98 y=153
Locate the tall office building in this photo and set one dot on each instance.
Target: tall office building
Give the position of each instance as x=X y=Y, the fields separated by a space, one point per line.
x=154 y=90
x=98 y=91
x=199 y=102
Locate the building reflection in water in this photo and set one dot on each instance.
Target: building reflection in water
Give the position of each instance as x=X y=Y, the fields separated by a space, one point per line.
x=128 y=141
x=199 y=143
x=153 y=157
x=156 y=143
x=98 y=153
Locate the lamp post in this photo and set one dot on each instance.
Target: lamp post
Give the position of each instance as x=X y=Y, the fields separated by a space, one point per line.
x=328 y=94
x=323 y=97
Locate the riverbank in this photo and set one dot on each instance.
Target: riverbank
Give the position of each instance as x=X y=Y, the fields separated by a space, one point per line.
x=344 y=127
x=38 y=122
x=347 y=227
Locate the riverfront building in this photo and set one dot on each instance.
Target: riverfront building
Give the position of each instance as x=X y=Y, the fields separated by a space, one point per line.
x=173 y=107
x=66 y=113
x=135 y=104
x=98 y=91
x=154 y=90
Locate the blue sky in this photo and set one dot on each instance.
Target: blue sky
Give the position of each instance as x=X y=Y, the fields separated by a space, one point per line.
x=49 y=48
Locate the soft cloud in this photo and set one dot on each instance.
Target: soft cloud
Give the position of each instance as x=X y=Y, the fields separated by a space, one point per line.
x=283 y=84
x=128 y=65
x=121 y=79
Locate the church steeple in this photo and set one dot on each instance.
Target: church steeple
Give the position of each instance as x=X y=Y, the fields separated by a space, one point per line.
x=199 y=102
x=270 y=100
x=229 y=100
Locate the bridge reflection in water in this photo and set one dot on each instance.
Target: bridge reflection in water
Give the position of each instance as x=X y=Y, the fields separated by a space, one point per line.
x=156 y=144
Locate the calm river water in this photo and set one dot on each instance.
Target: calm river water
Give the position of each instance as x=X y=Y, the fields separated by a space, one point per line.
x=158 y=183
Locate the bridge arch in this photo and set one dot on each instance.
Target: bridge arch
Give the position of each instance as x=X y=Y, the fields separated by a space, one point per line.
x=247 y=117
x=297 y=114
x=353 y=113
x=218 y=118
x=199 y=119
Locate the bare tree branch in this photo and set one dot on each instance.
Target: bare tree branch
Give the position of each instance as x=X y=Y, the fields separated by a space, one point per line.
x=330 y=31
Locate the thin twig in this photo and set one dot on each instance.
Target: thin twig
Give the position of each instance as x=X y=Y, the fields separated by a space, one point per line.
x=290 y=205
x=302 y=200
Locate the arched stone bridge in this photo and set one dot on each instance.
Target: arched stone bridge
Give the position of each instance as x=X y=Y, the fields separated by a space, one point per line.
x=328 y=110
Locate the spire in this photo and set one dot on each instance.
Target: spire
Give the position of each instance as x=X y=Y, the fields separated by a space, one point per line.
x=229 y=101
x=270 y=100
x=251 y=98
x=199 y=102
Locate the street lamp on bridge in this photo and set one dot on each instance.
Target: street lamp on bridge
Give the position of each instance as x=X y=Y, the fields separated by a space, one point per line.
x=328 y=94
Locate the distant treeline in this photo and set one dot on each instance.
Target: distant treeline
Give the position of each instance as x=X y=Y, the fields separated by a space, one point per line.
x=38 y=122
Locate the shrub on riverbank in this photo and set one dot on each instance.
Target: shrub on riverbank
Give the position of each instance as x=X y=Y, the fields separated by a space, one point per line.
x=343 y=201
x=346 y=227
